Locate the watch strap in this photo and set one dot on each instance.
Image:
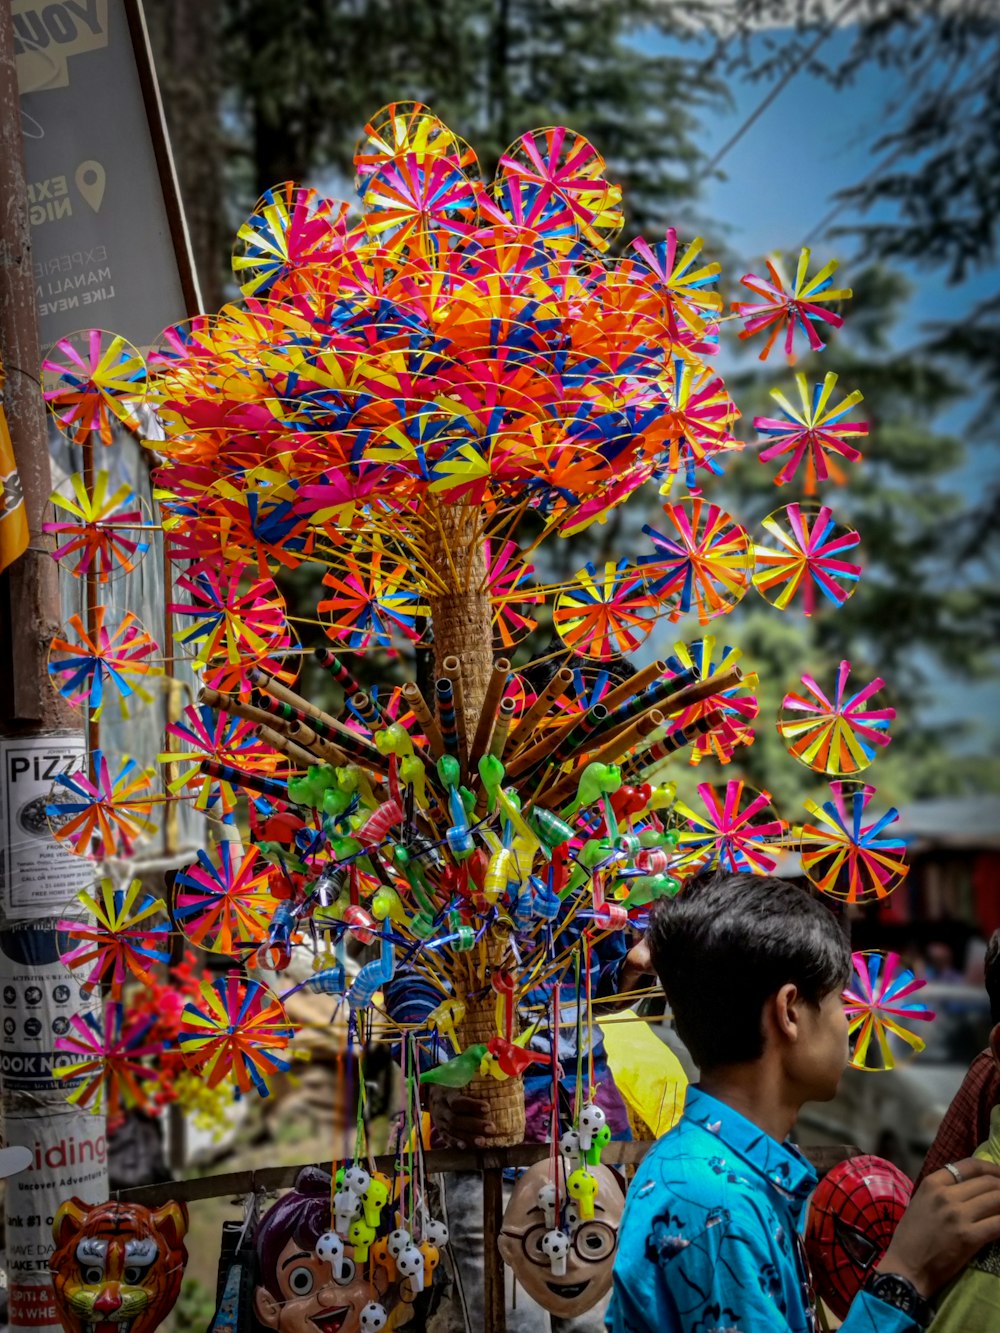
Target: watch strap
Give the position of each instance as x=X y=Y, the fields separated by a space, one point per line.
x=900 y=1293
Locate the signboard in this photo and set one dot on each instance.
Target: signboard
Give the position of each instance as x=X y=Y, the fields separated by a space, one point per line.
x=38 y=877
x=108 y=240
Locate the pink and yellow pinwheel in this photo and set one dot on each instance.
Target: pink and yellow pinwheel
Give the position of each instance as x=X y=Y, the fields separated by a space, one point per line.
x=845 y=857
x=290 y=229
x=91 y=379
x=700 y=562
x=737 y=705
x=101 y=816
x=235 y=1033
x=839 y=735
x=106 y=1060
x=128 y=935
x=738 y=829
x=225 y=907
x=696 y=428
x=415 y=203
x=880 y=1006
x=688 y=300
x=806 y=557
x=408 y=129
x=103 y=534
x=799 y=307
x=813 y=434
x=508 y=581
x=202 y=733
x=84 y=663
x=237 y=621
x=605 y=611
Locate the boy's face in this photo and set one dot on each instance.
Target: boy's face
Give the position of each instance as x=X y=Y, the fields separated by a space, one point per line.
x=311 y=1301
x=822 y=1053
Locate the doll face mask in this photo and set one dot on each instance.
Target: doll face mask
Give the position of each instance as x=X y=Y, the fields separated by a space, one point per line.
x=589 y=1256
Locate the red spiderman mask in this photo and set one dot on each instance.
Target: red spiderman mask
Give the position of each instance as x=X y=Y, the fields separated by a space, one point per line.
x=852 y=1215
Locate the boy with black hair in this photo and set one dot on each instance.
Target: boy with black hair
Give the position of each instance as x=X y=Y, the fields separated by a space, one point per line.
x=753 y=969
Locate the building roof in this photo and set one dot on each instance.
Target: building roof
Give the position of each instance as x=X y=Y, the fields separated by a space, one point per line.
x=965 y=822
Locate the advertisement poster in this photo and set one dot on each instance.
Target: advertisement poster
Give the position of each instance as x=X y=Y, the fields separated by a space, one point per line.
x=104 y=253
x=42 y=878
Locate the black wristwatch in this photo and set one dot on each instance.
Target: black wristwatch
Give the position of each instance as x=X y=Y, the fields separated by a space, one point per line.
x=900 y=1293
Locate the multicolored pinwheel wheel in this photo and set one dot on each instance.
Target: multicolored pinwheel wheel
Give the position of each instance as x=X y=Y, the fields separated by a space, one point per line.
x=880 y=1006
x=701 y=562
x=289 y=230
x=109 y=1060
x=235 y=1033
x=845 y=857
x=102 y=816
x=738 y=705
x=202 y=733
x=797 y=308
x=508 y=581
x=103 y=535
x=605 y=611
x=228 y=907
x=403 y=129
x=91 y=379
x=87 y=660
x=812 y=434
x=737 y=830
x=839 y=736
x=238 y=623
x=685 y=291
x=808 y=555
x=128 y=935
x=369 y=600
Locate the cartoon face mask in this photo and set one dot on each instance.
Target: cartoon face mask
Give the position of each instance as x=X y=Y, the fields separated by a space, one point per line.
x=582 y=1276
x=117 y=1265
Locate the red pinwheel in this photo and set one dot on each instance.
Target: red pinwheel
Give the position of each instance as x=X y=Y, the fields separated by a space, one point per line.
x=808 y=554
x=738 y=705
x=845 y=857
x=99 y=537
x=226 y=907
x=108 y=1067
x=90 y=379
x=84 y=664
x=812 y=434
x=879 y=1003
x=798 y=308
x=102 y=816
x=235 y=1033
x=839 y=736
x=701 y=562
x=736 y=831
x=125 y=936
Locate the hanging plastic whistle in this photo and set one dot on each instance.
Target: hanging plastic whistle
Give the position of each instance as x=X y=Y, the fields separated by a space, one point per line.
x=413 y=774
x=361 y=923
x=582 y=1188
x=592 y=1155
x=629 y=801
x=373 y=1200
x=374 y=975
x=374 y=1317
x=377 y=826
x=522 y=909
x=646 y=889
x=663 y=796
x=410 y=1266
x=545 y=904
x=381 y=1258
x=330 y=1250
x=596 y=780
x=361 y=1235
x=436 y=1232
x=458 y=837
x=335 y=802
x=555 y=1247
x=551 y=830
x=357 y=1180
x=432 y=1257
x=331 y=979
x=590 y=1120
x=491 y=774
x=397 y=1241
x=547 y=1203
x=394 y=740
x=500 y=871
x=510 y=804
x=569 y=1147
x=345 y=1209
x=446 y=1017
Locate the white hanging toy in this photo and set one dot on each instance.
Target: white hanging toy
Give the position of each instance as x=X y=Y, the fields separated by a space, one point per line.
x=373 y=1317
x=436 y=1232
x=592 y=1119
x=555 y=1246
x=569 y=1146
x=410 y=1264
x=397 y=1241
x=547 y=1202
x=346 y=1207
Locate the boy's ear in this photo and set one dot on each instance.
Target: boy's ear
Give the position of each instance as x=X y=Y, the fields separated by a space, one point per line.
x=783 y=1011
x=995 y=1045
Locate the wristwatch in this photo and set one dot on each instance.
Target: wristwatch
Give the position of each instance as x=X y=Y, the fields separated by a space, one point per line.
x=900 y=1293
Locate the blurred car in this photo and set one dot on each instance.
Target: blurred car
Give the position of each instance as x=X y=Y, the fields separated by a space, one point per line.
x=895 y=1114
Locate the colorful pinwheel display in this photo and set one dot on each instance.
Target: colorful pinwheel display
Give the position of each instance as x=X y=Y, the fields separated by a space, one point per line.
x=701 y=562
x=798 y=306
x=880 y=1006
x=839 y=735
x=807 y=555
x=737 y=830
x=845 y=857
x=128 y=935
x=369 y=600
x=102 y=535
x=91 y=380
x=737 y=705
x=201 y=733
x=105 y=655
x=235 y=1032
x=813 y=434
x=225 y=908
x=102 y=816
x=291 y=229
x=108 y=1064
x=605 y=611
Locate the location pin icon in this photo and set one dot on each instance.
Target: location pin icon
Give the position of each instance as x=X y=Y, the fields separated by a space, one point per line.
x=90 y=181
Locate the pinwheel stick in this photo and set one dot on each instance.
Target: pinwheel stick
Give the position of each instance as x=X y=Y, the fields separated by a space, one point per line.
x=481 y=741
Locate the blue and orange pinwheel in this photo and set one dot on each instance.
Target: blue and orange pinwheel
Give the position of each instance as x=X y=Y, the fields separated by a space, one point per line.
x=804 y=557
x=101 y=815
x=737 y=706
x=128 y=935
x=700 y=562
x=225 y=907
x=202 y=733
x=880 y=1007
x=605 y=611
x=235 y=1032
x=86 y=661
x=846 y=857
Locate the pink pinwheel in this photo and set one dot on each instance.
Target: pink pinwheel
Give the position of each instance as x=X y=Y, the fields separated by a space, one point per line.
x=370 y=600
x=879 y=1005
x=106 y=656
x=106 y=1060
x=290 y=229
x=90 y=379
x=102 y=816
x=696 y=428
x=125 y=937
x=225 y=907
x=839 y=736
x=808 y=554
x=415 y=203
x=729 y=834
x=510 y=589
x=701 y=562
x=235 y=1033
x=684 y=290
x=845 y=857
x=801 y=308
x=812 y=434
x=236 y=624
x=202 y=733
x=101 y=535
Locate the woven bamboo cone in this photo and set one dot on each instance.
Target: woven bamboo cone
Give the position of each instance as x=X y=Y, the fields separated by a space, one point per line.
x=504 y=1098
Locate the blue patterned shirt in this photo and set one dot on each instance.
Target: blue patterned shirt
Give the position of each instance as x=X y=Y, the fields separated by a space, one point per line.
x=709 y=1240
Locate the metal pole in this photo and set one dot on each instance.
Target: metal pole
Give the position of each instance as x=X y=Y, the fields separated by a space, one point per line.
x=38 y=738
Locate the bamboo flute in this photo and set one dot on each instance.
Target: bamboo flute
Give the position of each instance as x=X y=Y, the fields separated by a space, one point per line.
x=451 y=669
x=559 y=684
x=488 y=717
x=418 y=707
x=228 y=703
x=634 y=685
x=301 y=757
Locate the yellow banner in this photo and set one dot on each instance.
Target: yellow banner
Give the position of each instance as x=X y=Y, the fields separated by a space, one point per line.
x=13 y=515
